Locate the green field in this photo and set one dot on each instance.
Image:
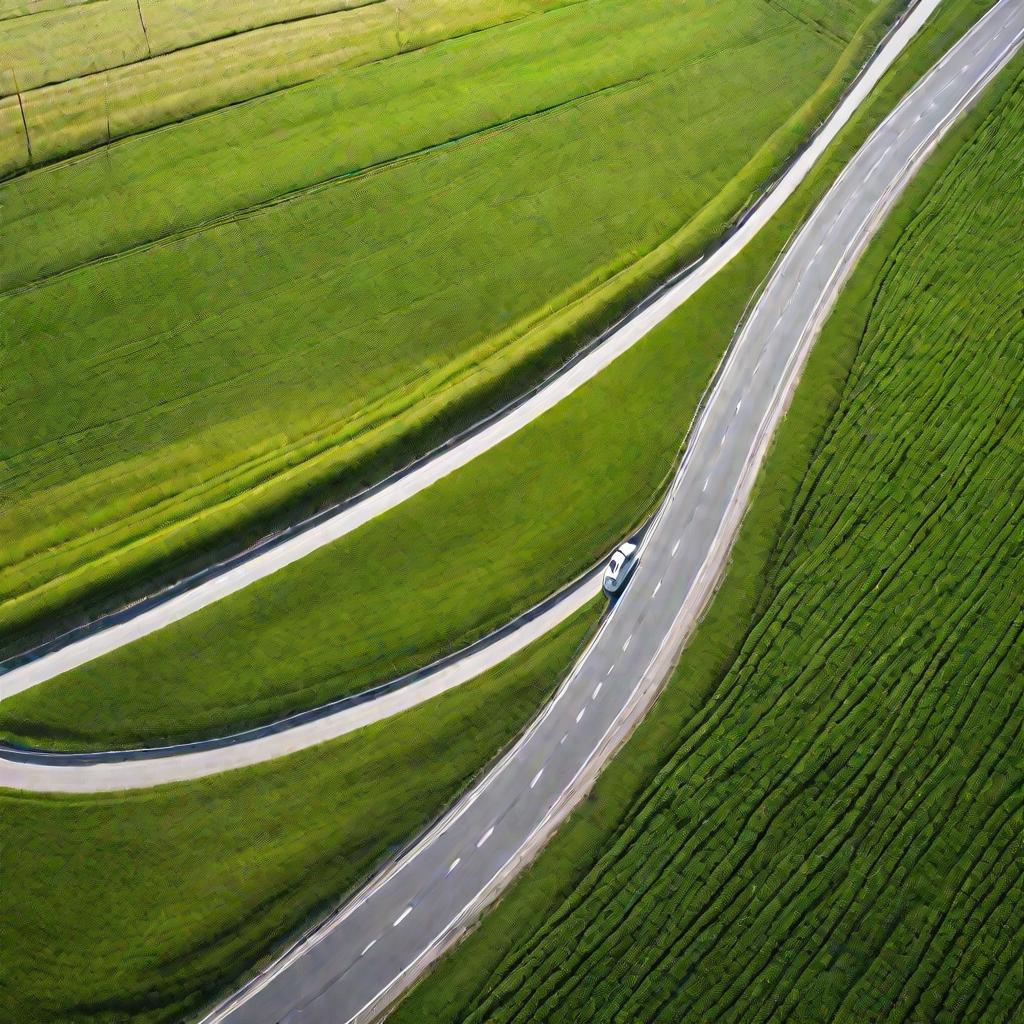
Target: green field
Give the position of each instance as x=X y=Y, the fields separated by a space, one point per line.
x=348 y=303
x=835 y=835
x=78 y=75
x=143 y=906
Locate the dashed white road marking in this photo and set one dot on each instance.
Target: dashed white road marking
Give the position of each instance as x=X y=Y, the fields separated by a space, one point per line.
x=878 y=162
x=579 y=717
x=565 y=736
x=704 y=488
x=536 y=778
x=625 y=646
x=402 y=916
x=368 y=947
x=675 y=548
x=656 y=589
x=611 y=669
x=483 y=839
x=597 y=690
x=738 y=404
x=454 y=864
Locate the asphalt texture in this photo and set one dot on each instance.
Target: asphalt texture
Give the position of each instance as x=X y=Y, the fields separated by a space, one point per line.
x=353 y=965
x=92 y=640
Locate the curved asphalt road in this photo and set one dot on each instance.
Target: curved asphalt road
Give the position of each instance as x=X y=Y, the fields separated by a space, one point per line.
x=69 y=652
x=131 y=768
x=351 y=967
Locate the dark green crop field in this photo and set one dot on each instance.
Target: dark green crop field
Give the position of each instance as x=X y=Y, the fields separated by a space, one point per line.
x=836 y=835
x=140 y=907
x=218 y=325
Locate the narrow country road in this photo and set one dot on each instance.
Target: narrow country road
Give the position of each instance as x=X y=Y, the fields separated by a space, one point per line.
x=94 y=640
x=143 y=766
x=351 y=967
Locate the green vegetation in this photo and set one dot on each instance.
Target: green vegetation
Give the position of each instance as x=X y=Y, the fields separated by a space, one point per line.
x=142 y=907
x=351 y=302
x=77 y=76
x=835 y=833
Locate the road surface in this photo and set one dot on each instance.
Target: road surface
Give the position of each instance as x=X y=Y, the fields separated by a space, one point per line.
x=353 y=965
x=93 y=772
x=123 y=627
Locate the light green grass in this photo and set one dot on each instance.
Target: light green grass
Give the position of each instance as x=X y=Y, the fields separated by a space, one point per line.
x=19 y=8
x=832 y=836
x=52 y=46
x=337 y=332
x=141 y=907
x=89 y=73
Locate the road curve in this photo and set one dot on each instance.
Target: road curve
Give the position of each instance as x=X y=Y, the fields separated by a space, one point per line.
x=65 y=653
x=111 y=770
x=351 y=967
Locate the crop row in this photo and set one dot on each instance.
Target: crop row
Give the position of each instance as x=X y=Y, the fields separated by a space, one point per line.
x=836 y=834
x=79 y=76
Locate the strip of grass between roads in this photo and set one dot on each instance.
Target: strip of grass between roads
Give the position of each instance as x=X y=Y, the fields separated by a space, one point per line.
x=469 y=972
x=380 y=294
x=143 y=906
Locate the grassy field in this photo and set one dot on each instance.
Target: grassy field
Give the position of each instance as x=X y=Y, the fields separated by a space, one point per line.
x=80 y=75
x=349 y=304
x=141 y=907
x=835 y=834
